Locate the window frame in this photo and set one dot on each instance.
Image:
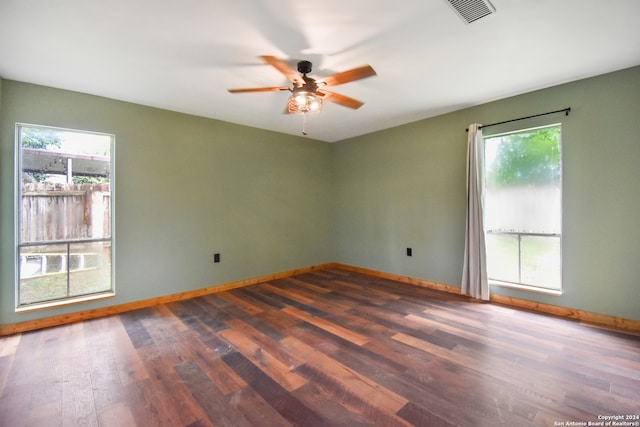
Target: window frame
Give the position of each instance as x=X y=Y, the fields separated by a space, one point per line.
x=18 y=244
x=520 y=285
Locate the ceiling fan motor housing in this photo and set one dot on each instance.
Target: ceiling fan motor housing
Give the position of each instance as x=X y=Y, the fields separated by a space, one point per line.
x=304 y=67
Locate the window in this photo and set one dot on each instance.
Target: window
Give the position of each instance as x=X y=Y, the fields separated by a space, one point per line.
x=523 y=208
x=64 y=215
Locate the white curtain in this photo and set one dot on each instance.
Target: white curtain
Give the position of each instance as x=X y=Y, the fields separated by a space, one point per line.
x=474 y=272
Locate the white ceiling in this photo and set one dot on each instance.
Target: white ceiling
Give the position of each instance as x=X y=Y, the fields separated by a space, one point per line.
x=183 y=55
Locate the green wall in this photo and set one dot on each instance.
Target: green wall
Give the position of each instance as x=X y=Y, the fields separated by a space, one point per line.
x=405 y=187
x=185 y=187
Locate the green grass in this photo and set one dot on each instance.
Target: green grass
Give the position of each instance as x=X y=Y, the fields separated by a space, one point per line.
x=54 y=286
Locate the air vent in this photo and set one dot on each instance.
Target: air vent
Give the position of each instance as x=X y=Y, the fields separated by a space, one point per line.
x=472 y=10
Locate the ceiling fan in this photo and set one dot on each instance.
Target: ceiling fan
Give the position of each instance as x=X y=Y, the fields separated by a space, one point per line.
x=307 y=93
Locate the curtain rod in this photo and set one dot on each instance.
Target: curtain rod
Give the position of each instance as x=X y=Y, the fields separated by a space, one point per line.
x=564 y=110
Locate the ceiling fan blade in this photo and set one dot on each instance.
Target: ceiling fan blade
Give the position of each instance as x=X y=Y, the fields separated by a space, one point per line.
x=347 y=76
x=345 y=101
x=259 y=89
x=286 y=70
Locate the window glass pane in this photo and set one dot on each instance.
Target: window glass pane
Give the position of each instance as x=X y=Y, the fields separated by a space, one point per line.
x=541 y=261
x=89 y=268
x=523 y=191
x=502 y=257
x=65 y=184
x=523 y=207
x=43 y=273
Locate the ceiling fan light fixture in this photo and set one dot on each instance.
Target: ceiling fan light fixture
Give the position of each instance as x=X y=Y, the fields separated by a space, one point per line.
x=304 y=102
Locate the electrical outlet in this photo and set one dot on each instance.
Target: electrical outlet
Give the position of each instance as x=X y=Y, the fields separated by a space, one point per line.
x=216 y=257
x=409 y=252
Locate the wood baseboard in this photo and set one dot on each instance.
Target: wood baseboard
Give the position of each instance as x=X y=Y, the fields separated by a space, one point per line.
x=151 y=302
x=588 y=317
x=399 y=278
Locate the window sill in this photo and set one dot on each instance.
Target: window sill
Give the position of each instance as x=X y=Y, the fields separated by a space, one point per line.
x=68 y=301
x=525 y=287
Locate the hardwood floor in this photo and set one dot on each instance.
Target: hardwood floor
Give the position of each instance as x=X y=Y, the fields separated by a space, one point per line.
x=329 y=348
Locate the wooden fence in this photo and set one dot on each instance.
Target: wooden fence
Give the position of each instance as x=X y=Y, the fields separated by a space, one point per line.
x=53 y=212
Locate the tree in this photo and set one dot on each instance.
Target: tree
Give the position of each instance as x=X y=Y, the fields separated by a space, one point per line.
x=40 y=138
x=526 y=158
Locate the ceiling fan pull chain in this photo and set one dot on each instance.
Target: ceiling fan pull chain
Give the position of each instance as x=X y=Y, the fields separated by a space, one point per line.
x=304 y=124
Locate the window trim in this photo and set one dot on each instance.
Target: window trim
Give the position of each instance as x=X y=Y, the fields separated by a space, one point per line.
x=530 y=288
x=17 y=224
